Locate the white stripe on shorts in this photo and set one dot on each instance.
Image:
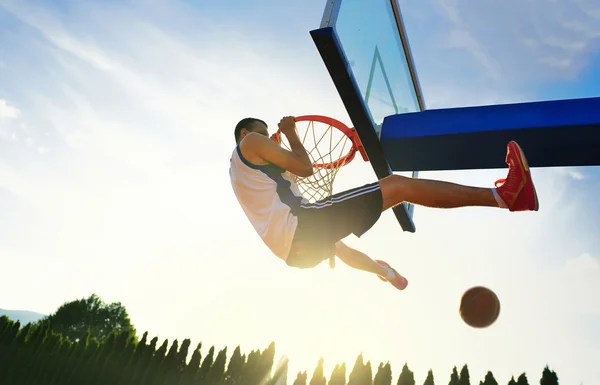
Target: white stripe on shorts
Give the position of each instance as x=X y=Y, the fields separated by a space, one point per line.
x=341 y=198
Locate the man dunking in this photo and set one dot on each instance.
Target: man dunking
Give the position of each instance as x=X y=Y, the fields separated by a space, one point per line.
x=304 y=234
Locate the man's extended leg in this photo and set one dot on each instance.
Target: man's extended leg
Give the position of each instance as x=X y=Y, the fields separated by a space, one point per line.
x=516 y=192
x=361 y=261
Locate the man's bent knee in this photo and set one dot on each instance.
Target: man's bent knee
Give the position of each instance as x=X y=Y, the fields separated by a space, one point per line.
x=391 y=188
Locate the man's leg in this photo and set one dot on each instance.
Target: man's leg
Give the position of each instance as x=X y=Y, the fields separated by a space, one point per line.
x=432 y=193
x=361 y=261
x=516 y=192
x=358 y=260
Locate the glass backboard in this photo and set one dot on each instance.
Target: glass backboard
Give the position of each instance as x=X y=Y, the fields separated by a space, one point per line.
x=370 y=36
x=364 y=46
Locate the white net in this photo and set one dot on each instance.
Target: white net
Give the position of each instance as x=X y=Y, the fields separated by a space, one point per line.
x=329 y=149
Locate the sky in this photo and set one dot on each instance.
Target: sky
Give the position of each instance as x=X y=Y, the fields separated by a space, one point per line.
x=116 y=129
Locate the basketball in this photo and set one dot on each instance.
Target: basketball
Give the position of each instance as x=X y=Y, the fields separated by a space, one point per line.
x=479 y=307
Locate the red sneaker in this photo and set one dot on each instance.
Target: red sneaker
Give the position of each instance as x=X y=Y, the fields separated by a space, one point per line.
x=517 y=189
x=399 y=282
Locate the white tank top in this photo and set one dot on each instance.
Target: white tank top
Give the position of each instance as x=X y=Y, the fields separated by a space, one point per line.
x=270 y=199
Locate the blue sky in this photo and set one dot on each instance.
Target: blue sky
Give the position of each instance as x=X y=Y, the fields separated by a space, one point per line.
x=116 y=123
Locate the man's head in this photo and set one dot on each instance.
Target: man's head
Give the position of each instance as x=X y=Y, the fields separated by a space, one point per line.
x=248 y=125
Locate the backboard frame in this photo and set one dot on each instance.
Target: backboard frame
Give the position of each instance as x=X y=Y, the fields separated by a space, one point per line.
x=332 y=53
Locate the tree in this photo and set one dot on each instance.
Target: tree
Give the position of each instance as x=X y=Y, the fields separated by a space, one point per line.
x=522 y=380
x=235 y=367
x=361 y=373
x=464 y=378
x=407 y=377
x=205 y=366
x=549 y=377
x=383 y=375
x=301 y=378
x=489 y=379
x=453 y=377
x=266 y=362
x=73 y=319
x=189 y=373
x=512 y=381
x=338 y=375
x=429 y=380
x=318 y=377
x=216 y=373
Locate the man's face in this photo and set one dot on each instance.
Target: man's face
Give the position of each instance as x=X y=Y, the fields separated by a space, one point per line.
x=257 y=127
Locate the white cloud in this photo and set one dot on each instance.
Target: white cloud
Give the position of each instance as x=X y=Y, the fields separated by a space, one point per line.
x=525 y=41
x=8 y=111
x=574 y=173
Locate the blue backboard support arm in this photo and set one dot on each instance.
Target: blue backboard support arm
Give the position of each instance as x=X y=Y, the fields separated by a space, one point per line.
x=330 y=49
x=552 y=133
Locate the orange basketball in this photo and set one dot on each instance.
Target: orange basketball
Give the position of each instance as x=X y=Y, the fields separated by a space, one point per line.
x=479 y=307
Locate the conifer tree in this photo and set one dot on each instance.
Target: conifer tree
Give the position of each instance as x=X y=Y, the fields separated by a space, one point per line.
x=361 y=374
x=429 y=380
x=74 y=375
x=180 y=360
x=83 y=371
x=251 y=372
x=189 y=373
x=132 y=360
x=512 y=381
x=6 y=325
x=407 y=377
x=318 y=377
x=489 y=379
x=205 y=367
x=369 y=373
x=155 y=366
x=22 y=335
x=177 y=364
x=235 y=367
x=100 y=359
x=216 y=373
x=3 y=321
x=11 y=333
x=522 y=380
x=149 y=361
x=465 y=378
x=453 y=377
x=15 y=362
x=383 y=375
x=549 y=377
x=300 y=378
x=267 y=359
x=338 y=375
x=167 y=366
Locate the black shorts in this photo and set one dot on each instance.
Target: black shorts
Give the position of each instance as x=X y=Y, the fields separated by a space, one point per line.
x=322 y=224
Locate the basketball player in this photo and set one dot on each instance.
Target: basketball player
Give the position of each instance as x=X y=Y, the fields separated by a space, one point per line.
x=304 y=234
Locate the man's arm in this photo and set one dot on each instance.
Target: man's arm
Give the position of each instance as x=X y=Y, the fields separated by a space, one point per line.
x=298 y=149
x=296 y=161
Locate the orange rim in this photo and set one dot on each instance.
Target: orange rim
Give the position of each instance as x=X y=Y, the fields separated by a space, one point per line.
x=349 y=132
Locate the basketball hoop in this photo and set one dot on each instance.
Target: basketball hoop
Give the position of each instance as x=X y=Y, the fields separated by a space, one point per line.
x=330 y=144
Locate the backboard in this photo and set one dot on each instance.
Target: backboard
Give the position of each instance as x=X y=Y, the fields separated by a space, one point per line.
x=364 y=46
